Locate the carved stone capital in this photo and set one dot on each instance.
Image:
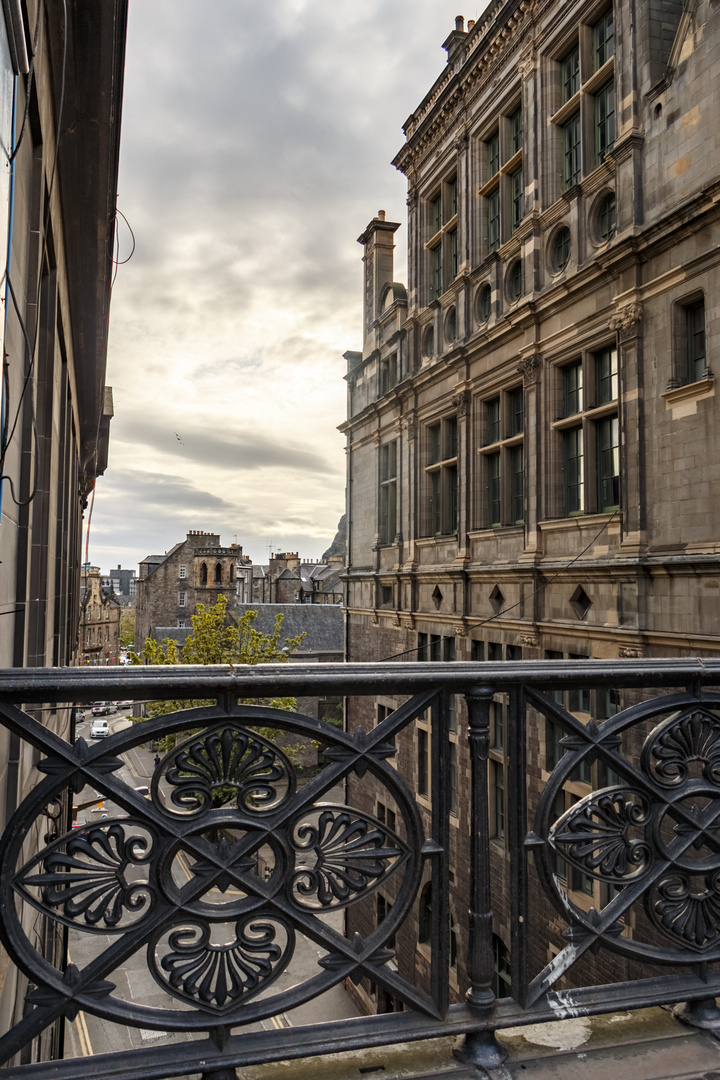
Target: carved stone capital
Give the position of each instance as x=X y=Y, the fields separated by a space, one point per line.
x=376 y=437
x=411 y=425
x=626 y=318
x=530 y=368
x=527 y=63
x=461 y=402
x=529 y=640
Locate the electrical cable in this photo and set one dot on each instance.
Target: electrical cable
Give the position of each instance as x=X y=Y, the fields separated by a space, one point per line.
x=504 y=611
x=121 y=262
x=28 y=93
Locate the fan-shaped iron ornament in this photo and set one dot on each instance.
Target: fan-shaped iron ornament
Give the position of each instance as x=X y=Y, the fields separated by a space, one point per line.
x=652 y=838
x=215 y=873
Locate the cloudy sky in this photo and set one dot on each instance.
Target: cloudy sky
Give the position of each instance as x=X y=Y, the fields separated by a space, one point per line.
x=257 y=137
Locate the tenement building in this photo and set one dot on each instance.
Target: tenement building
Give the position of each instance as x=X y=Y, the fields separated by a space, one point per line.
x=169 y=587
x=99 y=619
x=533 y=441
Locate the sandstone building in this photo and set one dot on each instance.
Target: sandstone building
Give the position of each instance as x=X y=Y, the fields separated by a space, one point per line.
x=532 y=434
x=169 y=587
x=100 y=613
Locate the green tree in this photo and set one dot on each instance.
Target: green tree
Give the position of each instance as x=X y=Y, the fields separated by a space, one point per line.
x=127 y=629
x=217 y=639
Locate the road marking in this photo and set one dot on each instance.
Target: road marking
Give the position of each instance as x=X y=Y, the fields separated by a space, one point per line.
x=82 y=1030
x=84 y=1036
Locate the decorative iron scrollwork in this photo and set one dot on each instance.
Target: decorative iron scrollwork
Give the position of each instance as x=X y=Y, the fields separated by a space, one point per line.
x=693 y=736
x=84 y=878
x=341 y=856
x=216 y=872
x=656 y=837
x=216 y=976
x=689 y=915
x=594 y=835
x=224 y=764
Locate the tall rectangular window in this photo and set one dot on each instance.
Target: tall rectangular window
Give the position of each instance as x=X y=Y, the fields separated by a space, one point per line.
x=436 y=284
x=517 y=485
x=388 y=492
x=517 y=197
x=516 y=131
x=436 y=214
x=452 y=192
x=499 y=799
x=606 y=376
x=516 y=411
x=494 y=491
x=604 y=120
x=603 y=39
x=572 y=389
x=492 y=420
x=453 y=242
x=423 y=762
x=571 y=151
x=453 y=779
x=183 y=571
x=608 y=463
x=442 y=477
x=493 y=154
x=493 y=212
x=695 y=340
x=182 y=597
x=570 y=74
x=574 y=471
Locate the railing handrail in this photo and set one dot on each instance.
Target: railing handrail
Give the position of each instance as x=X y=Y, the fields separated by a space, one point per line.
x=154 y=681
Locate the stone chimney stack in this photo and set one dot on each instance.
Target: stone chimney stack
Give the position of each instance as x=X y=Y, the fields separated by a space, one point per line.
x=379 y=245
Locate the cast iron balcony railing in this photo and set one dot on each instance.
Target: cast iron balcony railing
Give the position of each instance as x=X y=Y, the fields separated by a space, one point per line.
x=174 y=877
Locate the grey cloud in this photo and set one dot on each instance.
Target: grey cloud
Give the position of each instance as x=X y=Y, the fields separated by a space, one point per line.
x=234 y=451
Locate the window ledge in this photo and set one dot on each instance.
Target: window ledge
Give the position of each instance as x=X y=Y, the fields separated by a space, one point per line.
x=567 y=110
x=598 y=79
x=577 y=521
x=682 y=400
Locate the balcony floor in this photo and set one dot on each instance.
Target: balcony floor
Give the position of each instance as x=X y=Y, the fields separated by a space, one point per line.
x=648 y=1044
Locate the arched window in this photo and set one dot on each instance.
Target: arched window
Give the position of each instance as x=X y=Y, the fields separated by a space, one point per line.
x=425 y=915
x=218 y=574
x=203 y=574
x=232 y=575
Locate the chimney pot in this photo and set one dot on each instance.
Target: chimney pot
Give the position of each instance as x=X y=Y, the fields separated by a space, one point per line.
x=471 y=23
x=460 y=22
x=381 y=215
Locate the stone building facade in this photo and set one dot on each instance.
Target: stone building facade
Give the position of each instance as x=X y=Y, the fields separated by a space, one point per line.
x=169 y=587
x=288 y=579
x=100 y=612
x=532 y=436
x=58 y=186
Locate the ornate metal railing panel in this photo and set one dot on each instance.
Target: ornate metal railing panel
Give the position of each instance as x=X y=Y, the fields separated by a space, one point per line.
x=216 y=874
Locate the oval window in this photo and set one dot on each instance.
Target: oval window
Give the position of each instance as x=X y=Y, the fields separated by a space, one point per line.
x=515 y=280
x=561 y=248
x=484 y=303
x=606 y=218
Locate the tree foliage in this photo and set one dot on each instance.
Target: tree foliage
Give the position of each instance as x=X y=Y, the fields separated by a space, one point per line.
x=217 y=639
x=127 y=629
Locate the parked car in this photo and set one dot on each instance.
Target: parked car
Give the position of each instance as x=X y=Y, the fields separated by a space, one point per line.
x=99 y=729
x=102 y=708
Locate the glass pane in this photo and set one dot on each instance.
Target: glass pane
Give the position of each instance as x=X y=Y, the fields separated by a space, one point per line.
x=573 y=460
x=572 y=389
x=606 y=376
x=492 y=415
x=570 y=74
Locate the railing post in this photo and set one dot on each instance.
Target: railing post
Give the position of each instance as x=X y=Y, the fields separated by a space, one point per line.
x=480 y=1047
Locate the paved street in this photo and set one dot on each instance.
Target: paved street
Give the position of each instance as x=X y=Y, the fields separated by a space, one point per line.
x=89 y=1035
